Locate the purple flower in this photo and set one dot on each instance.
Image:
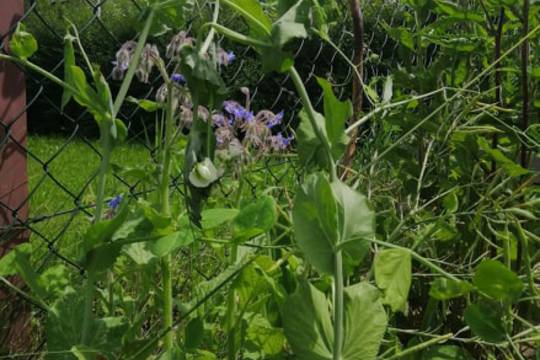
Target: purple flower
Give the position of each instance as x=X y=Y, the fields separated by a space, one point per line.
x=123 y=58
x=276 y=120
x=279 y=142
x=231 y=56
x=114 y=203
x=234 y=109
x=178 y=78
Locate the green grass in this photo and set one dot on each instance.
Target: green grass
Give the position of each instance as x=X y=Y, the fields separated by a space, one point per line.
x=72 y=166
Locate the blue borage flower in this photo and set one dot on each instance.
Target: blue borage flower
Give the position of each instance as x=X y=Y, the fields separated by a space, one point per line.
x=231 y=56
x=114 y=203
x=276 y=120
x=279 y=142
x=178 y=78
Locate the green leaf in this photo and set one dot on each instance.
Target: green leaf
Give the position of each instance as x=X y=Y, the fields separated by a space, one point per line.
x=255 y=218
x=365 y=322
x=260 y=25
x=445 y=289
x=101 y=258
x=139 y=253
x=103 y=231
x=331 y=216
x=69 y=61
x=145 y=104
x=264 y=337
x=310 y=150
x=446 y=352
x=173 y=16
x=291 y=24
x=169 y=243
x=393 y=275
x=511 y=167
x=22 y=43
x=213 y=218
x=485 y=322
x=497 y=281
x=194 y=333
x=336 y=114
x=307 y=324
x=8 y=261
x=64 y=326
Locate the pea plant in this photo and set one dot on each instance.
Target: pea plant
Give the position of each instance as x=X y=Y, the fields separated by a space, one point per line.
x=320 y=266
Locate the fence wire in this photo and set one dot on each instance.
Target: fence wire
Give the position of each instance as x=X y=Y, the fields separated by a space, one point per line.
x=60 y=209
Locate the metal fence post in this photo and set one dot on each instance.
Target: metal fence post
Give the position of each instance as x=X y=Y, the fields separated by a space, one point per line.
x=15 y=317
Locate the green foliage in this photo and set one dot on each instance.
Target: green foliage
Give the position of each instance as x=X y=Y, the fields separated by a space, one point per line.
x=393 y=275
x=495 y=280
x=330 y=217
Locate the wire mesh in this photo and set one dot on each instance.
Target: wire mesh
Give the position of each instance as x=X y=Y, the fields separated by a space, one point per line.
x=60 y=206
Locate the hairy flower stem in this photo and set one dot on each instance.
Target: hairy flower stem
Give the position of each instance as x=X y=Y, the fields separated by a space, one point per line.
x=106 y=146
x=338 y=305
x=165 y=210
x=231 y=298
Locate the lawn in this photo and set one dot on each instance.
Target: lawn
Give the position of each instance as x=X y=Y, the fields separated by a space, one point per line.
x=59 y=171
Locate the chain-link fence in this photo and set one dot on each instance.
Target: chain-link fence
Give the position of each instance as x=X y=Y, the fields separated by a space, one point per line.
x=61 y=152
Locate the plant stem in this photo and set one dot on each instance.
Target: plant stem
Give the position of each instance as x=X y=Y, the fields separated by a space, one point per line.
x=106 y=146
x=420 y=346
x=312 y=115
x=338 y=305
x=231 y=303
x=165 y=210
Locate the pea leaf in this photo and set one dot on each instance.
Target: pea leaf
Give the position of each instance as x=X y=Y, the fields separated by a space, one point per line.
x=365 y=322
x=169 y=243
x=307 y=324
x=331 y=216
x=393 y=276
x=332 y=124
x=145 y=104
x=497 y=281
x=445 y=289
x=213 y=218
x=308 y=327
x=255 y=218
x=291 y=24
x=260 y=25
x=485 y=322
x=22 y=43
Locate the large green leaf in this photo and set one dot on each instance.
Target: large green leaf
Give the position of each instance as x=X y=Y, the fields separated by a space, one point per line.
x=259 y=23
x=255 y=218
x=393 y=275
x=328 y=217
x=497 y=281
x=365 y=322
x=64 y=326
x=292 y=24
x=307 y=324
x=485 y=322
